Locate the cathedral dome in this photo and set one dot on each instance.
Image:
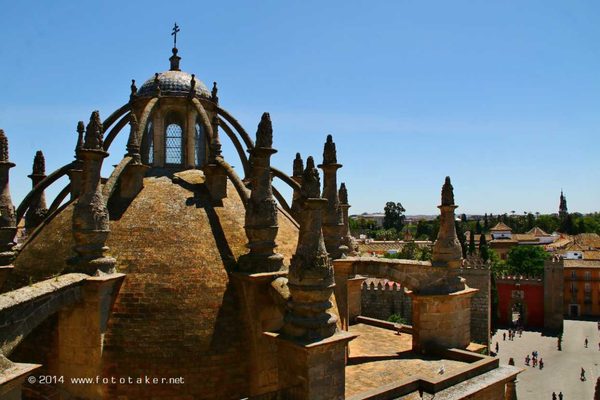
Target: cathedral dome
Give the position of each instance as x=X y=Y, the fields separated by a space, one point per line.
x=173 y=83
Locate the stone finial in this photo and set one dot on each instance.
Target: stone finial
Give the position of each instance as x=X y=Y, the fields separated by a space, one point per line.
x=310 y=277
x=174 y=59
x=343 y=194
x=133 y=88
x=311 y=184
x=39 y=164
x=37 y=208
x=264 y=133
x=79 y=145
x=447 y=250
x=298 y=166
x=94 y=133
x=447 y=193
x=3 y=147
x=133 y=145
x=192 y=86
x=157 y=84
x=329 y=152
x=214 y=92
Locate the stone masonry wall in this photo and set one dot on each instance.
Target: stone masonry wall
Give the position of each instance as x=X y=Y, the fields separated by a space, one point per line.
x=479 y=278
x=381 y=301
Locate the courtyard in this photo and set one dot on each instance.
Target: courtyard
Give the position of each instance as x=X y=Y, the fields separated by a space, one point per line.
x=561 y=368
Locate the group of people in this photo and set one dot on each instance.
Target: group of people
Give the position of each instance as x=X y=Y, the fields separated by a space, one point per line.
x=560 y=396
x=534 y=360
x=512 y=333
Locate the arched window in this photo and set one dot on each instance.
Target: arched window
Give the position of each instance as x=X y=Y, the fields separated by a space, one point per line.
x=173 y=140
x=147 y=147
x=200 y=151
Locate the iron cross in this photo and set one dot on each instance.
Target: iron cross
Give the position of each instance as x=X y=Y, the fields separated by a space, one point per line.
x=174 y=34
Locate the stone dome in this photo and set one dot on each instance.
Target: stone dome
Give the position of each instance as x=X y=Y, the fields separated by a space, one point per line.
x=173 y=83
x=177 y=313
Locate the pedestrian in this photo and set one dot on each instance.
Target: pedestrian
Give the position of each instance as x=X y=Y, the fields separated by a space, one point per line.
x=527 y=360
x=497 y=347
x=585 y=342
x=504 y=336
x=582 y=376
x=560 y=396
x=553 y=396
x=541 y=363
x=511 y=361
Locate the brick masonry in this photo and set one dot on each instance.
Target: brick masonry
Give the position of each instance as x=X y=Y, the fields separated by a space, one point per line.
x=479 y=278
x=380 y=301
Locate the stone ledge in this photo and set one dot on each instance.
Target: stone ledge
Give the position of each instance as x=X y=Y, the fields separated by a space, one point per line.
x=341 y=336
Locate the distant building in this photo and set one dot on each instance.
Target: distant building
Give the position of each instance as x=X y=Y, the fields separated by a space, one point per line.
x=582 y=288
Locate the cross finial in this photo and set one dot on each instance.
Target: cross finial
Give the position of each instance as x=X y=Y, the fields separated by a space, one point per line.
x=174 y=34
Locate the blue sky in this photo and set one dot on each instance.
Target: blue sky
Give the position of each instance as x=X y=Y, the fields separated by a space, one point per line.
x=503 y=96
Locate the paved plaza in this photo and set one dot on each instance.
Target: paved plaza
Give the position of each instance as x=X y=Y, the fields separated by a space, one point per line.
x=561 y=368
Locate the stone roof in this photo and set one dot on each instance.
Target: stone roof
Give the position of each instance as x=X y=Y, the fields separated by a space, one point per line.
x=177 y=308
x=173 y=83
x=501 y=226
x=588 y=240
x=536 y=231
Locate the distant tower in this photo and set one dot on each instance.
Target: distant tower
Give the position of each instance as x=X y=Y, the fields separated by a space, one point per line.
x=562 y=206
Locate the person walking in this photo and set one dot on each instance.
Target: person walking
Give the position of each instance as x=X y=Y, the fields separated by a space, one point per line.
x=504 y=336
x=586 y=342
x=560 y=396
x=541 y=363
x=497 y=347
x=582 y=376
x=553 y=396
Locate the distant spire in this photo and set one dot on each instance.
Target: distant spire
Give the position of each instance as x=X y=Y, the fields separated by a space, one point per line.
x=264 y=134
x=214 y=92
x=562 y=206
x=3 y=147
x=447 y=193
x=298 y=165
x=94 y=133
x=343 y=194
x=311 y=185
x=39 y=164
x=329 y=152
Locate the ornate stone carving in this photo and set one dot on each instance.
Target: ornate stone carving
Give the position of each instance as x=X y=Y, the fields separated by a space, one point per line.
x=332 y=220
x=261 y=211
x=298 y=170
x=447 y=250
x=76 y=172
x=174 y=59
x=90 y=215
x=133 y=88
x=133 y=144
x=214 y=92
x=347 y=239
x=8 y=219
x=37 y=209
x=310 y=278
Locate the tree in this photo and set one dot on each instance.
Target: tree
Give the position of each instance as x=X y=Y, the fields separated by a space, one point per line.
x=483 y=248
x=478 y=227
x=471 y=242
x=486 y=224
x=567 y=226
x=526 y=260
x=394 y=217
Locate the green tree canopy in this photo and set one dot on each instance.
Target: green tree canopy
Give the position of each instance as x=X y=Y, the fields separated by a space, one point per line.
x=394 y=216
x=526 y=260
